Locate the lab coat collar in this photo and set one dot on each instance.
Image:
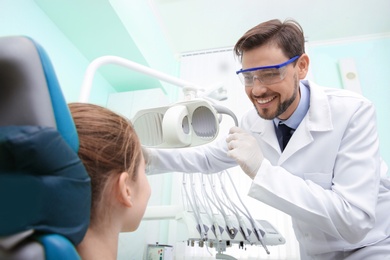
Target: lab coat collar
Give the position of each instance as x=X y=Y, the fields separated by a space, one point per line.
x=319 y=117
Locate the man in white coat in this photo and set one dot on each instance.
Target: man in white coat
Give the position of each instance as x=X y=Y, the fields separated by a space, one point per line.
x=329 y=177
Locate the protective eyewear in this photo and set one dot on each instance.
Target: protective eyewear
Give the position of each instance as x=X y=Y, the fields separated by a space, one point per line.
x=266 y=74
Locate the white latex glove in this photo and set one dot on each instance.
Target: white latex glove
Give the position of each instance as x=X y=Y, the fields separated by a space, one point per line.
x=244 y=148
x=147 y=153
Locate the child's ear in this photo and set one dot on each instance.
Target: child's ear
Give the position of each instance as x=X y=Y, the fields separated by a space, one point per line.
x=124 y=194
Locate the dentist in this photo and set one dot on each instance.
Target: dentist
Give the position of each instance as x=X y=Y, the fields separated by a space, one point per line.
x=328 y=175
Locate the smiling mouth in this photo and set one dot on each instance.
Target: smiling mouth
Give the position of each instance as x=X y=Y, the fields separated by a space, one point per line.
x=264 y=100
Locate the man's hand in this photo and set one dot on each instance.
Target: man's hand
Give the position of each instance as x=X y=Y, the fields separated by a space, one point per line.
x=244 y=148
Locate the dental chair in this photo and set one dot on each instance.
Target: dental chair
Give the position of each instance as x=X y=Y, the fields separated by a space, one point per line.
x=45 y=191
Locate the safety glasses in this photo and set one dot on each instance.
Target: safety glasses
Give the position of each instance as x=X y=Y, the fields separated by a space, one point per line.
x=266 y=74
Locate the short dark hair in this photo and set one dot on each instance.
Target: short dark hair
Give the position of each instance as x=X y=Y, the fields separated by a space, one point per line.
x=287 y=35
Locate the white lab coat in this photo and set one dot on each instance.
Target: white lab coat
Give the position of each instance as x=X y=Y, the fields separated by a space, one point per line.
x=330 y=178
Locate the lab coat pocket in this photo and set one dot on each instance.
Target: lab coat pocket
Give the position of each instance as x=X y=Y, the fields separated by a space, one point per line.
x=320 y=178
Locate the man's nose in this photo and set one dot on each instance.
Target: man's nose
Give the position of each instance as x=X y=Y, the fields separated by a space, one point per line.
x=258 y=87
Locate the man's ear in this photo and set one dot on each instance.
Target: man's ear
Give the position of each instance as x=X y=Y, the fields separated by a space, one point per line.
x=303 y=65
x=124 y=191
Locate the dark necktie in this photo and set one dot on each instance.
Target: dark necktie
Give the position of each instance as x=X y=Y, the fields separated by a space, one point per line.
x=286 y=134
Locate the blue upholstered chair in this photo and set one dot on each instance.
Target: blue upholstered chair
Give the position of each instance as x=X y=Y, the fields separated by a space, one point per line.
x=44 y=188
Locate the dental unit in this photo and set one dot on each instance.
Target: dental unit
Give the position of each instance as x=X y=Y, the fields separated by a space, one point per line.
x=209 y=216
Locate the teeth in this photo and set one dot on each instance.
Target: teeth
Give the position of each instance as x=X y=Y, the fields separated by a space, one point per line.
x=263 y=101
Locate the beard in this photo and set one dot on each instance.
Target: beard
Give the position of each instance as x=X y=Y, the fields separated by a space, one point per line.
x=282 y=107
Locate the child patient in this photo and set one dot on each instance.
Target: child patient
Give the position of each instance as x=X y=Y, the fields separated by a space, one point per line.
x=111 y=153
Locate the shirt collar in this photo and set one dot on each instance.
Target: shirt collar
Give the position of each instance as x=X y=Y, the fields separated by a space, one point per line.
x=295 y=119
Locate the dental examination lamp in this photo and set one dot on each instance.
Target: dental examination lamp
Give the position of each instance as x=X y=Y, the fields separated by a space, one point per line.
x=194 y=121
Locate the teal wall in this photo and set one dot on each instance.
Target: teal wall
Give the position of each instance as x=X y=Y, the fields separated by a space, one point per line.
x=74 y=33
x=24 y=17
x=372 y=59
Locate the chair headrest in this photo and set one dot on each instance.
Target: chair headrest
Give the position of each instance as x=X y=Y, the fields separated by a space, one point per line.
x=30 y=92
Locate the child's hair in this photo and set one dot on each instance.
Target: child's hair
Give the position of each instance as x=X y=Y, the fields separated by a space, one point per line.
x=108 y=147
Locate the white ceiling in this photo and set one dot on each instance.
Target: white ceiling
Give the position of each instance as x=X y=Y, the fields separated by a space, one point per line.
x=155 y=32
x=193 y=25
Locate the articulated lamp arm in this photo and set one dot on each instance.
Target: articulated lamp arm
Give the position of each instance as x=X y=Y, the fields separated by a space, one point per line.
x=104 y=60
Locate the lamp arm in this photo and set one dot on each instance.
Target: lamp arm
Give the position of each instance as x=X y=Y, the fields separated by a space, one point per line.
x=103 y=60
